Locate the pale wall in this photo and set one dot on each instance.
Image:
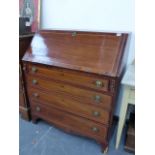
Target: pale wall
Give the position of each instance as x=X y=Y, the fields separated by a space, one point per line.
x=92 y=15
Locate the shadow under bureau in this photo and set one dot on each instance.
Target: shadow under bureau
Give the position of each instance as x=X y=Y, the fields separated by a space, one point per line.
x=72 y=80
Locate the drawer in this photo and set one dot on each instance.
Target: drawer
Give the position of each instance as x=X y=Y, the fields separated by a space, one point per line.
x=73 y=123
x=70 y=105
x=80 y=94
x=74 y=77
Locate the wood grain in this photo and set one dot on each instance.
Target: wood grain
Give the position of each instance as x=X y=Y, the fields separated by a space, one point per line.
x=68 y=104
x=82 y=95
x=88 y=52
x=24 y=43
x=72 y=79
x=77 y=124
x=69 y=76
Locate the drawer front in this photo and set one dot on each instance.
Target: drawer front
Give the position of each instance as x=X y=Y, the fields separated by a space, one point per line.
x=82 y=95
x=73 y=77
x=68 y=104
x=70 y=122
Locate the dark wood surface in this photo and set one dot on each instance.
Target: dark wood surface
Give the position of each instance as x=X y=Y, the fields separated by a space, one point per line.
x=77 y=124
x=89 y=52
x=24 y=42
x=72 y=80
x=130 y=136
x=70 y=76
x=70 y=105
x=82 y=95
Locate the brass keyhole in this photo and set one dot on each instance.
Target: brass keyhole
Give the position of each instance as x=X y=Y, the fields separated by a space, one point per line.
x=74 y=34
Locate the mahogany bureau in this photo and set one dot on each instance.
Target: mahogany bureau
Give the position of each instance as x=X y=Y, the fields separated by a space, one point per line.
x=72 y=80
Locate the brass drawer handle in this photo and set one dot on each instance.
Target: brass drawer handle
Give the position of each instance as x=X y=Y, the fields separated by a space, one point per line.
x=34 y=69
x=34 y=81
x=95 y=129
x=24 y=68
x=99 y=83
x=97 y=98
x=96 y=113
x=36 y=95
x=38 y=109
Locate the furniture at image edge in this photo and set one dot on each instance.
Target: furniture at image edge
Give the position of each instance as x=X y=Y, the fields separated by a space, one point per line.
x=72 y=80
x=130 y=134
x=128 y=83
x=24 y=42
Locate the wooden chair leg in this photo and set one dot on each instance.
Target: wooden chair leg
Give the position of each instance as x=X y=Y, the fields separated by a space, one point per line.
x=122 y=118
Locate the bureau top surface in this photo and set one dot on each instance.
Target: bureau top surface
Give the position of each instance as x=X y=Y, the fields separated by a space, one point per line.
x=92 y=52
